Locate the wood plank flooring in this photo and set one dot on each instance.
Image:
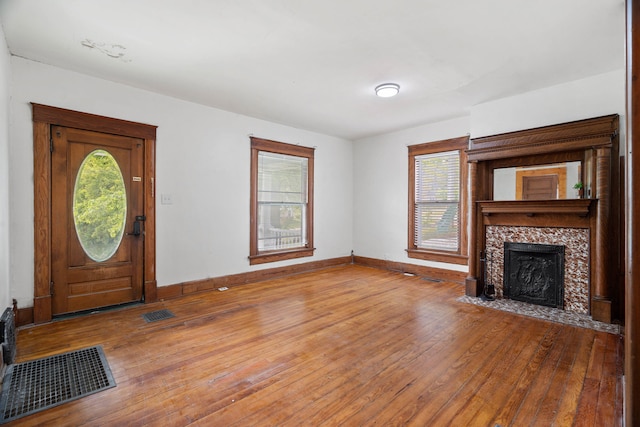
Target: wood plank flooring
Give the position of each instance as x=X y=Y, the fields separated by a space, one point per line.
x=348 y=346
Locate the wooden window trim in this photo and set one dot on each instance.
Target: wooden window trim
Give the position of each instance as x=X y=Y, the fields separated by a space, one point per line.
x=461 y=256
x=261 y=257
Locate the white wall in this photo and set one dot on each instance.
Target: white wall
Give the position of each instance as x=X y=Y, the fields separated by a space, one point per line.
x=595 y=96
x=203 y=161
x=381 y=169
x=381 y=190
x=5 y=96
x=504 y=184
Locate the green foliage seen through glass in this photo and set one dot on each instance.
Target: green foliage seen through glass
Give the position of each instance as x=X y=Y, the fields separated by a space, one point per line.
x=99 y=205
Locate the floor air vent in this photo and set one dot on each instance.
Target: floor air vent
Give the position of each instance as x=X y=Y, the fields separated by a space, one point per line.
x=154 y=316
x=32 y=386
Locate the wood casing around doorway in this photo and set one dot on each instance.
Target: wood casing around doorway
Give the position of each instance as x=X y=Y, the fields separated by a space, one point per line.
x=43 y=118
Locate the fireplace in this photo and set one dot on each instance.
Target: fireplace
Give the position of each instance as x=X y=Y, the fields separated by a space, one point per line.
x=591 y=264
x=534 y=273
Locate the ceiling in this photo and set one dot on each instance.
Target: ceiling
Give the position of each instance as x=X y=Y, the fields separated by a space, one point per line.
x=314 y=64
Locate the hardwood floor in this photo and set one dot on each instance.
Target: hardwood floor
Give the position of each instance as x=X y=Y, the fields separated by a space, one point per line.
x=347 y=346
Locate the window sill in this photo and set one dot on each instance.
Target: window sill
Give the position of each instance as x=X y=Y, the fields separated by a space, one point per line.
x=274 y=256
x=450 y=258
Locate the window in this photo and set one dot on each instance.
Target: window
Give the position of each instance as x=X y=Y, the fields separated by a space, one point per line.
x=281 y=201
x=437 y=201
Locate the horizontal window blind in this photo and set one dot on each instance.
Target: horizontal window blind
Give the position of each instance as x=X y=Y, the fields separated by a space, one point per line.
x=437 y=201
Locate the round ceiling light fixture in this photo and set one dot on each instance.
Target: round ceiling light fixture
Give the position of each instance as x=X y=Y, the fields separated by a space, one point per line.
x=387 y=90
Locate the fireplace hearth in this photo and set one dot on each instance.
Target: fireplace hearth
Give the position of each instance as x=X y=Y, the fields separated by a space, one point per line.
x=534 y=273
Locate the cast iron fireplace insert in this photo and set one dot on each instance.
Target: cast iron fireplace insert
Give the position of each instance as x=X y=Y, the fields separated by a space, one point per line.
x=534 y=273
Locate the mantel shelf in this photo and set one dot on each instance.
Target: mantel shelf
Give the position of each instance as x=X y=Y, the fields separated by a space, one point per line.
x=580 y=207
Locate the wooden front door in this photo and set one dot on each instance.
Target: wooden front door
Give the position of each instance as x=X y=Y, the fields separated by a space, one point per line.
x=97 y=225
x=541 y=187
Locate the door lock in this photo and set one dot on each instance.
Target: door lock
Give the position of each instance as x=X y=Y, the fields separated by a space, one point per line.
x=137 y=229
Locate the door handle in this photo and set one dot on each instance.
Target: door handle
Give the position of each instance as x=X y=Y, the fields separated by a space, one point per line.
x=136 y=229
x=136 y=226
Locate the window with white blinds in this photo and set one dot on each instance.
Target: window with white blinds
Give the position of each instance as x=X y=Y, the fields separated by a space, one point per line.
x=437 y=206
x=437 y=200
x=281 y=201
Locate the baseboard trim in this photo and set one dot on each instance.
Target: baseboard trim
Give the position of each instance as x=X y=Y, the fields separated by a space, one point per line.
x=601 y=310
x=186 y=288
x=418 y=270
x=25 y=315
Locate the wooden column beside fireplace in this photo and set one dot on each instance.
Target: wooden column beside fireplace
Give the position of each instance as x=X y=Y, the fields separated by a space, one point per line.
x=594 y=144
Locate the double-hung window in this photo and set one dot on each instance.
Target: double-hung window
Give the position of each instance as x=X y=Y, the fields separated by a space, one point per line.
x=281 y=201
x=437 y=201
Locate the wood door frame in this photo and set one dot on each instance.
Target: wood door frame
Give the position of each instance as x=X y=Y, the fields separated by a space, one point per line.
x=560 y=172
x=43 y=118
x=632 y=206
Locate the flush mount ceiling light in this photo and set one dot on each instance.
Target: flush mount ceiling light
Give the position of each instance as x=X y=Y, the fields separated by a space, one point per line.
x=387 y=90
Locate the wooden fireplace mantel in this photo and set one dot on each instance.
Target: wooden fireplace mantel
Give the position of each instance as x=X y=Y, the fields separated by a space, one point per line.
x=591 y=141
x=576 y=213
x=579 y=207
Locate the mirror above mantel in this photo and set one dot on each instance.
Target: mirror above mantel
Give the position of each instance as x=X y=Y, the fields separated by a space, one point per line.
x=540 y=182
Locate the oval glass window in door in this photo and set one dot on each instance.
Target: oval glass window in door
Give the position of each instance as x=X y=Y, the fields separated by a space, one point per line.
x=99 y=205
